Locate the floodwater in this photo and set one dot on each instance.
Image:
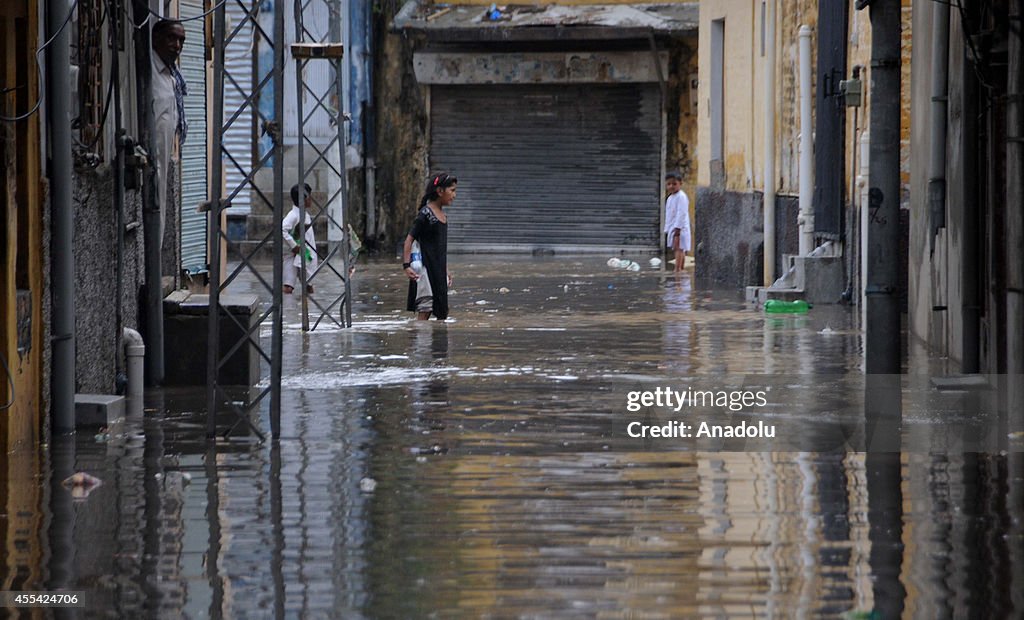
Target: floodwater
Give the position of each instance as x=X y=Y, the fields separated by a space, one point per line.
x=482 y=467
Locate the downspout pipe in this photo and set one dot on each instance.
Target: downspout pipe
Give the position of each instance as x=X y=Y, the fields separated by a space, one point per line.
x=153 y=254
x=1015 y=226
x=937 y=160
x=134 y=355
x=769 y=144
x=58 y=117
x=805 y=220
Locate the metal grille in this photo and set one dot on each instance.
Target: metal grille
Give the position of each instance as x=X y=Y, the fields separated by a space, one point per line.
x=269 y=87
x=239 y=137
x=318 y=100
x=193 y=152
x=581 y=169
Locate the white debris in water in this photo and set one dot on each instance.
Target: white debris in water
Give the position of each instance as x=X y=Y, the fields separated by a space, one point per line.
x=481 y=302
x=367 y=485
x=394 y=357
x=828 y=331
x=633 y=266
x=503 y=290
x=655 y=262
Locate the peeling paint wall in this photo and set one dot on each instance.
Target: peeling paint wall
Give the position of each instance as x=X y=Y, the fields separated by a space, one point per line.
x=402 y=119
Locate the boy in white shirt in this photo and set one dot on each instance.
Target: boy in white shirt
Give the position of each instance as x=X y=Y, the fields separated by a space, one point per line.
x=290 y=231
x=677 y=218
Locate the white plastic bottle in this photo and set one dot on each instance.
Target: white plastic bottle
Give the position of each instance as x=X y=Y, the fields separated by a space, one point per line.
x=416 y=257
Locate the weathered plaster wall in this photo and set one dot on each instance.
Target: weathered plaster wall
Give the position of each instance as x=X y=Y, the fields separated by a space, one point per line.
x=95 y=243
x=733 y=220
x=402 y=118
x=681 y=117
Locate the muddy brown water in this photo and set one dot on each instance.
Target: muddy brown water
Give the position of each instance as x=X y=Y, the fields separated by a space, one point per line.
x=481 y=468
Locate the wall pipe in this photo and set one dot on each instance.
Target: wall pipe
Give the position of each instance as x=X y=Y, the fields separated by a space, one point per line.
x=1015 y=214
x=58 y=117
x=769 y=144
x=805 y=219
x=119 y=231
x=134 y=355
x=153 y=254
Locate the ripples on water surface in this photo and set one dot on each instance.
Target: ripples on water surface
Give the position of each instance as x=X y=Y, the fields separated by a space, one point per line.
x=503 y=485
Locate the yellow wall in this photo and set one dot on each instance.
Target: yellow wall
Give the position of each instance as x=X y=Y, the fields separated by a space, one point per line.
x=20 y=210
x=743 y=145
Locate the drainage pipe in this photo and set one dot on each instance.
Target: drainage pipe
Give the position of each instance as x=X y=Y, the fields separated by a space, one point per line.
x=805 y=220
x=135 y=356
x=769 y=144
x=58 y=120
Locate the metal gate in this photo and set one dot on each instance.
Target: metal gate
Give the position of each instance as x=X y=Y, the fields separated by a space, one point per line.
x=193 y=152
x=573 y=167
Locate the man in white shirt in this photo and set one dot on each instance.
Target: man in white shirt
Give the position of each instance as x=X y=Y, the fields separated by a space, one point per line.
x=677 y=218
x=168 y=89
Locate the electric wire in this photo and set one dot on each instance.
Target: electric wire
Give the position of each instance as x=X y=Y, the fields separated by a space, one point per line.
x=39 y=72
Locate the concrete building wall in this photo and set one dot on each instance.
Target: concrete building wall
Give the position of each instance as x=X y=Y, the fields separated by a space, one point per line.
x=96 y=290
x=744 y=130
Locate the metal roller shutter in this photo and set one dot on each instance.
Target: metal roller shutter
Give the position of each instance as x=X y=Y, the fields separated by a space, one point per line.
x=193 y=153
x=239 y=138
x=571 y=167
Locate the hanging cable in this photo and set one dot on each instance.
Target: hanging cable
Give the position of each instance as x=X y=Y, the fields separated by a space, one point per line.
x=39 y=72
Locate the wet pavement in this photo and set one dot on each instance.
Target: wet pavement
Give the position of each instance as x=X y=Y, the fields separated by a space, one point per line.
x=482 y=467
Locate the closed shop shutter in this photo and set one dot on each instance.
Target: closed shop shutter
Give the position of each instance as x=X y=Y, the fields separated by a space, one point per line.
x=239 y=57
x=572 y=167
x=193 y=153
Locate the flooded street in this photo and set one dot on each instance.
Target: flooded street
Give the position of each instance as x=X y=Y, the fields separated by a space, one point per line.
x=484 y=467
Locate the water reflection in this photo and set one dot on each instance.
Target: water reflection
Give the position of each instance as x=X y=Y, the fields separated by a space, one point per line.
x=472 y=469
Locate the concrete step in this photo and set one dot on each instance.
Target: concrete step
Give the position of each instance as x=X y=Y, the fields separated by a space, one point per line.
x=757 y=295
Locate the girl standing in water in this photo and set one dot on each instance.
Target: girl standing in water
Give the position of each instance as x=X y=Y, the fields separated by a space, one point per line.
x=428 y=287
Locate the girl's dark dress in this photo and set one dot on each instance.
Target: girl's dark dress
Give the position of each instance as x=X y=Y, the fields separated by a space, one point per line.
x=432 y=235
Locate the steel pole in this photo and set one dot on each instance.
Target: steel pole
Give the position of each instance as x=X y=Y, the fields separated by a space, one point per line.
x=213 y=237
x=58 y=117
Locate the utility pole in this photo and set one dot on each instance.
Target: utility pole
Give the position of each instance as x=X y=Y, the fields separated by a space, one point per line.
x=882 y=391
x=883 y=326
x=1015 y=277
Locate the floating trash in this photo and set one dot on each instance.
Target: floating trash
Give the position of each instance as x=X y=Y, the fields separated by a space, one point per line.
x=633 y=266
x=367 y=485
x=503 y=290
x=81 y=484
x=655 y=262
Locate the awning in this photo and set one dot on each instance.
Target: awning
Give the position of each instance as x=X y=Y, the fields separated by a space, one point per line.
x=516 y=22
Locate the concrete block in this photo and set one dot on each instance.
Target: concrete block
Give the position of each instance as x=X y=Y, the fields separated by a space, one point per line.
x=185 y=340
x=822 y=279
x=92 y=410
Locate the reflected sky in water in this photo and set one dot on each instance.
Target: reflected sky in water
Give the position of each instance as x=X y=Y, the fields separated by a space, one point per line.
x=475 y=468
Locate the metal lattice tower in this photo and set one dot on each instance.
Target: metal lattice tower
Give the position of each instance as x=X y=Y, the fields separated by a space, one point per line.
x=323 y=47
x=221 y=195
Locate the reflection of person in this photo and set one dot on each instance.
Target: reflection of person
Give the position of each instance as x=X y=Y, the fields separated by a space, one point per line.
x=290 y=232
x=167 y=93
x=429 y=295
x=677 y=218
